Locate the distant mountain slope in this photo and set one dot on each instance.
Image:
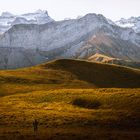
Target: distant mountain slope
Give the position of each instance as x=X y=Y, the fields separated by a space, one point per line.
x=110 y=46
x=101 y=58
x=110 y=60
x=66 y=73
x=74 y=38
x=12 y=58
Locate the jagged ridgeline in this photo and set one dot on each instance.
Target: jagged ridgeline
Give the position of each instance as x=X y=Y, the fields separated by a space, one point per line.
x=27 y=41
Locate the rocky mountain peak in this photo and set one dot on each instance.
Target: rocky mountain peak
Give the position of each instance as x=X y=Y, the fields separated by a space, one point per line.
x=7 y=15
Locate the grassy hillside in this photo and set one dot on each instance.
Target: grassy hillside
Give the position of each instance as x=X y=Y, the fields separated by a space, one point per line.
x=72 y=114
x=110 y=60
x=97 y=74
x=67 y=74
x=72 y=100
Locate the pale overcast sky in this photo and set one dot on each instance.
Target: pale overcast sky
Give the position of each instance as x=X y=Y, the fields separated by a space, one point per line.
x=60 y=9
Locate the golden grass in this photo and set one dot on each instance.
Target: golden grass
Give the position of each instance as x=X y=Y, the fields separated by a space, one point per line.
x=67 y=74
x=119 y=109
x=71 y=100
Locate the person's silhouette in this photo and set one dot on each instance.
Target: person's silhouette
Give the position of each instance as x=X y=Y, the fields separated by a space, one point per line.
x=35 y=125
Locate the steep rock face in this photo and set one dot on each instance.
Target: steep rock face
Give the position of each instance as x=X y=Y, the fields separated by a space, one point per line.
x=53 y=35
x=59 y=34
x=7 y=20
x=11 y=58
x=76 y=38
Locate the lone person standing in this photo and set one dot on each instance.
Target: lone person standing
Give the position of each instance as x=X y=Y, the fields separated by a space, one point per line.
x=35 y=125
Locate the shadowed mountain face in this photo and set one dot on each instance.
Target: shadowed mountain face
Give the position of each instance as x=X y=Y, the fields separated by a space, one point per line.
x=76 y=38
x=11 y=58
x=66 y=73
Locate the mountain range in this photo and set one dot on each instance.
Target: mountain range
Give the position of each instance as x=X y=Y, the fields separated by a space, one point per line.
x=34 y=38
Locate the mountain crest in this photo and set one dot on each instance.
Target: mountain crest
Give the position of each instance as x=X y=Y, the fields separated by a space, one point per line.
x=7 y=15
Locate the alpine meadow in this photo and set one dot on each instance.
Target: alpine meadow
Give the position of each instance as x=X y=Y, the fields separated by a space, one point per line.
x=71 y=79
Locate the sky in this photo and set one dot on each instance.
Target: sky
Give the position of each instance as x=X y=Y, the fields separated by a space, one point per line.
x=61 y=9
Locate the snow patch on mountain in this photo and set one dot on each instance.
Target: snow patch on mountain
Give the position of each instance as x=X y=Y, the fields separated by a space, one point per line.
x=7 y=20
x=133 y=22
